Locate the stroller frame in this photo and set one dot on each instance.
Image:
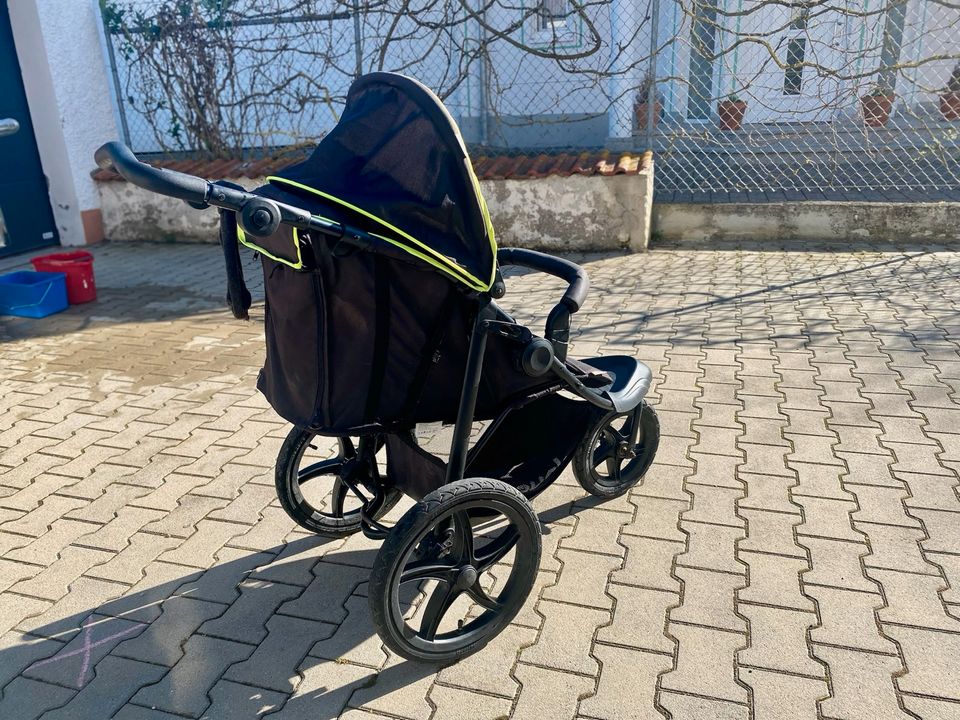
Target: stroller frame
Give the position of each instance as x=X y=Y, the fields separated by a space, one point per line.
x=438 y=541
x=490 y=319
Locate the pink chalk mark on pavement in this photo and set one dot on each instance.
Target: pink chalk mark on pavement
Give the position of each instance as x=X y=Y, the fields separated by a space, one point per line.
x=85 y=650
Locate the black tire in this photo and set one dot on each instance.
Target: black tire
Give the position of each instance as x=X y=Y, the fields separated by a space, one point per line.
x=624 y=444
x=437 y=536
x=330 y=519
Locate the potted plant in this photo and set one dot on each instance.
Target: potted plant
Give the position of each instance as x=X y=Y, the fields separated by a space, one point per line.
x=730 y=111
x=641 y=103
x=950 y=97
x=876 y=106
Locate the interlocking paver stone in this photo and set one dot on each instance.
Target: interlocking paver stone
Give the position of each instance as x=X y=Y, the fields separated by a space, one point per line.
x=778 y=640
x=861 y=685
x=627 y=685
x=802 y=509
x=116 y=680
x=451 y=702
x=273 y=664
x=778 y=696
x=161 y=643
x=548 y=693
x=28 y=699
x=705 y=663
x=183 y=690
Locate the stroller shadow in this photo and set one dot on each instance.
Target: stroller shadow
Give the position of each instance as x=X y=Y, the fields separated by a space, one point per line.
x=243 y=634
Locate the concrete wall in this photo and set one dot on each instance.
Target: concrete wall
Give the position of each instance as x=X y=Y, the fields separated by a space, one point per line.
x=881 y=222
x=132 y=213
x=64 y=74
x=552 y=213
x=572 y=213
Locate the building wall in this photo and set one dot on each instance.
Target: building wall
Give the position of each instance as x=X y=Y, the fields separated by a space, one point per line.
x=65 y=78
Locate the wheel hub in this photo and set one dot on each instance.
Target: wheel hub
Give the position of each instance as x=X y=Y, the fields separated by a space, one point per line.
x=625 y=451
x=467 y=577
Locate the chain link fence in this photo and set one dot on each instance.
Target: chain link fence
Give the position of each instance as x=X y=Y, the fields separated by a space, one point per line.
x=741 y=100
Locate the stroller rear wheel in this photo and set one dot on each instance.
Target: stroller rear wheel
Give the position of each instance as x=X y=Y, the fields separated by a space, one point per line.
x=312 y=491
x=617 y=452
x=446 y=549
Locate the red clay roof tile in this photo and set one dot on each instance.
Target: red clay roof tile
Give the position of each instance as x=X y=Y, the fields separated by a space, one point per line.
x=497 y=167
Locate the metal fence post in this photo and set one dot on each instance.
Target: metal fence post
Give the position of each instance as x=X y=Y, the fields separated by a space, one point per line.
x=121 y=111
x=652 y=70
x=357 y=37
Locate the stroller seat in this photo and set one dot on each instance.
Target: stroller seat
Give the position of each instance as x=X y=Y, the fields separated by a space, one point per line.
x=631 y=379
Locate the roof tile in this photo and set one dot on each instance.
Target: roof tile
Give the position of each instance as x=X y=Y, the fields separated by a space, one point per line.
x=496 y=167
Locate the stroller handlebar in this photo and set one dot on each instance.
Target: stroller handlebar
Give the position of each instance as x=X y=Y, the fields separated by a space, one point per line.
x=257 y=215
x=118 y=157
x=557 y=330
x=575 y=275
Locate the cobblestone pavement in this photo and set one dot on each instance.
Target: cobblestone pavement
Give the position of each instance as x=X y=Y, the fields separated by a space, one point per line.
x=793 y=553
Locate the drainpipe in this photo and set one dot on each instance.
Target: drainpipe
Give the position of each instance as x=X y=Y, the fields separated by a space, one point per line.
x=892 y=44
x=357 y=37
x=652 y=91
x=619 y=115
x=482 y=94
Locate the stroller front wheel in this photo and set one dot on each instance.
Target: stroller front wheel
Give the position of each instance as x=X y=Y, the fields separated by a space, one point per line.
x=469 y=551
x=312 y=492
x=617 y=452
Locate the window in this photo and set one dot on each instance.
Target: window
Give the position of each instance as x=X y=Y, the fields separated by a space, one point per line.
x=551 y=13
x=796 y=52
x=793 y=73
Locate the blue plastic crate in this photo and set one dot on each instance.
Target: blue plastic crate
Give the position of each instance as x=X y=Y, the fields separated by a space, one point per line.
x=33 y=294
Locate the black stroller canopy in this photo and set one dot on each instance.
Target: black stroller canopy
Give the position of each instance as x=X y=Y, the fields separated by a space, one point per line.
x=395 y=162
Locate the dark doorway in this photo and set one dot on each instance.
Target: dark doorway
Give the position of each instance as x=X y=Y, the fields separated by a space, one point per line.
x=26 y=220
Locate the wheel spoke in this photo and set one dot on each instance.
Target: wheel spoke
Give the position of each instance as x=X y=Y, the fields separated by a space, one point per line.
x=607 y=447
x=613 y=468
x=324 y=467
x=480 y=596
x=496 y=550
x=437 y=606
x=338 y=498
x=635 y=425
x=464 y=530
x=423 y=569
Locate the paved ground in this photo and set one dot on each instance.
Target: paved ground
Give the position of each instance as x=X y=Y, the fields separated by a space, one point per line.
x=794 y=552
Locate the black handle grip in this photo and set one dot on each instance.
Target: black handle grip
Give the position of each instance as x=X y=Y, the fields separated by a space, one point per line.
x=116 y=156
x=575 y=275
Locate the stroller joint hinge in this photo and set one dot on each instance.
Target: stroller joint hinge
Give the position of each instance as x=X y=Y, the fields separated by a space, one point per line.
x=508 y=330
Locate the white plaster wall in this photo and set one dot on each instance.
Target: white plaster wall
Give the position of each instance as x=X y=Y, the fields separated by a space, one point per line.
x=78 y=68
x=554 y=213
x=64 y=74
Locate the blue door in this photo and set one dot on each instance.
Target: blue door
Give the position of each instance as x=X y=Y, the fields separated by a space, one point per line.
x=26 y=221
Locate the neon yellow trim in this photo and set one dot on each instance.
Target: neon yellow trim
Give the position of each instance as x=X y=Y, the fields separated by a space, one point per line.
x=486 y=217
x=438 y=260
x=242 y=237
x=416 y=253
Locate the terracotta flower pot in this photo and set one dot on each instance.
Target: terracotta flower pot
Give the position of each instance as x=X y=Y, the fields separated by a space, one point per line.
x=731 y=114
x=950 y=105
x=876 y=109
x=641 y=110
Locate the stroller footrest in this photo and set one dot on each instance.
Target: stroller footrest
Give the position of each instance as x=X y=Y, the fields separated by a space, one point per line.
x=631 y=379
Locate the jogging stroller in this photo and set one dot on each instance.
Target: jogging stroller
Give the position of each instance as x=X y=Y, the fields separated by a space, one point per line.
x=381 y=277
